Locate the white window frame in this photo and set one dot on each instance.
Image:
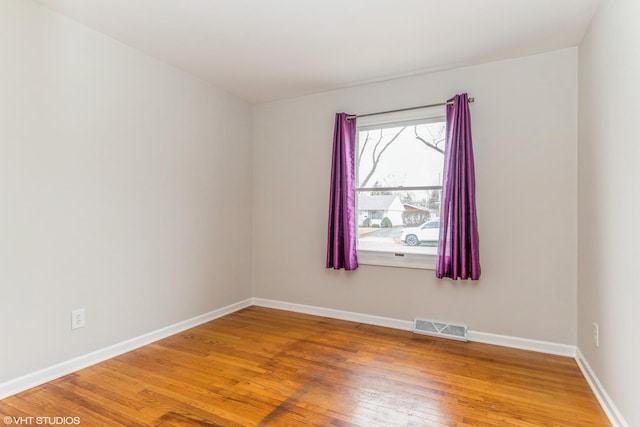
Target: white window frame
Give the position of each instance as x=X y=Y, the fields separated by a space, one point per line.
x=390 y=259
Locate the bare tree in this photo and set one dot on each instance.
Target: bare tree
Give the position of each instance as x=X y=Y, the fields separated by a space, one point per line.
x=434 y=138
x=379 y=148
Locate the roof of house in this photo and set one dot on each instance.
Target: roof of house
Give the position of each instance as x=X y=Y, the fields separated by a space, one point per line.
x=377 y=202
x=409 y=206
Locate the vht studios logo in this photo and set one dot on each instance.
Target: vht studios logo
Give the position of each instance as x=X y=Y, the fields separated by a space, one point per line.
x=41 y=420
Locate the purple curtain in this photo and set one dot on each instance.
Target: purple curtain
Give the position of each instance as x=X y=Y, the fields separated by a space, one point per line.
x=341 y=239
x=458 y=254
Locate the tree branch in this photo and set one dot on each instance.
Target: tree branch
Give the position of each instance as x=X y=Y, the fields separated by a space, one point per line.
x=427 y=143
x=430 y=145
x=376 y=156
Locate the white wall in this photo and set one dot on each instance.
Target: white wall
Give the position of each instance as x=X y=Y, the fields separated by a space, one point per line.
x=525 y=136
x=125 y=188
x=609 y=208
x=126 y=185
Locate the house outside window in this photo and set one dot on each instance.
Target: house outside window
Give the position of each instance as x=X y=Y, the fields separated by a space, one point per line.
x=399 y=182
x=374 y=208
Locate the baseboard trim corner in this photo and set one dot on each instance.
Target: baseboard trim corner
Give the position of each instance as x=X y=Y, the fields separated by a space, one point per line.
x=20 y=384
x=609 y=408
x=335 y=314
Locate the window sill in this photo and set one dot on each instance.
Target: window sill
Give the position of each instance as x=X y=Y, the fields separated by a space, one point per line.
x=402 y=260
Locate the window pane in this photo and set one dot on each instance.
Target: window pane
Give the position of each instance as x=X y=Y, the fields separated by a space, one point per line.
x=399 y=221
x=408 y=155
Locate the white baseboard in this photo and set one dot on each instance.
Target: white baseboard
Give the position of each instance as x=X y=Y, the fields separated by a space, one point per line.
x=407 y=325
x=523 y=343
x=610 y=409
x=605 y=401
x=34 y=379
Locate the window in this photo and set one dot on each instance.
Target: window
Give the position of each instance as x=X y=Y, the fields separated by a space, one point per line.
x=399 y=183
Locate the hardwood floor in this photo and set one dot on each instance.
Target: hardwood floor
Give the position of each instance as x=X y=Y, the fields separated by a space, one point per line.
x=264 y=367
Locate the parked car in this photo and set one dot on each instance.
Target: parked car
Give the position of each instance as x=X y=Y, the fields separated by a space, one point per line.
x=429 y=232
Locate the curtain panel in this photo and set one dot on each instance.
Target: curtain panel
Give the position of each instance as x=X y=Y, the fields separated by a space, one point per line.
x=458 y=245
x=341 y=239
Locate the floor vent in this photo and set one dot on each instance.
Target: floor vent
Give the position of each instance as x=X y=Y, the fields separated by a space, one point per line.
x=440 y=329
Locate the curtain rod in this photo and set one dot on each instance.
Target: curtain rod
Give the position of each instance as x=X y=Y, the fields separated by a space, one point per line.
x=404 y=109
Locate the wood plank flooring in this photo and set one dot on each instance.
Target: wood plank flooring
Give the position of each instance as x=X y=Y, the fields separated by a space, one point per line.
x=264 y=367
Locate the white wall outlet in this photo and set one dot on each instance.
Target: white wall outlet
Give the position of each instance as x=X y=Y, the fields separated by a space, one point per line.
x=596 y=335
x=77 y=318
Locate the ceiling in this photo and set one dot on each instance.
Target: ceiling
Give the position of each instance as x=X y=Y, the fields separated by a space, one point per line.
x=266 y=50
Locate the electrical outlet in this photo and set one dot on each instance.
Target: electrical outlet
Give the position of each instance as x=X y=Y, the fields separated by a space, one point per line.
x=596 y=335
x=77 y=318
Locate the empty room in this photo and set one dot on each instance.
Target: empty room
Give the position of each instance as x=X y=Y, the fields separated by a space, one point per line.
x=329 y=213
